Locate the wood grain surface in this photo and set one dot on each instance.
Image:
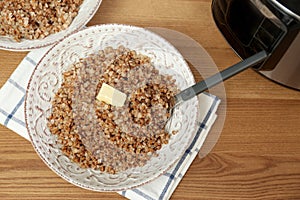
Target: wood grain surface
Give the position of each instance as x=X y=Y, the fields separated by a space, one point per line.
x=257 y=155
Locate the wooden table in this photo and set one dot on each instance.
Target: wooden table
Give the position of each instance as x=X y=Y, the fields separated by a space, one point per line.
x=256 y=157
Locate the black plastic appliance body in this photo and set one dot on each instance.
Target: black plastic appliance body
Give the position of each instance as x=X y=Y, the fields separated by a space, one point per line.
x=250 y=26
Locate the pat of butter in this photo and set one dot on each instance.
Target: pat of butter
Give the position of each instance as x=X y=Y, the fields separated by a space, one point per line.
x=111 y=95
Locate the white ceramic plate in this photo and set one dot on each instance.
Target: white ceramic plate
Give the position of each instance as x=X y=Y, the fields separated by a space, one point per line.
x=86 y=12
x=47 y=78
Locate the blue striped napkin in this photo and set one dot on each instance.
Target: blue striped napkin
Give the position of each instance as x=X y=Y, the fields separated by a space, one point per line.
x=12 y=96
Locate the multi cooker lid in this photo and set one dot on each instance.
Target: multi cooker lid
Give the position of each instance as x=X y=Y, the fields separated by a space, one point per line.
x=292 y=7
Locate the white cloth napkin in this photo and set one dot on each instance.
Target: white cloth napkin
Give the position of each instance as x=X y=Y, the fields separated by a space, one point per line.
x=12 y=96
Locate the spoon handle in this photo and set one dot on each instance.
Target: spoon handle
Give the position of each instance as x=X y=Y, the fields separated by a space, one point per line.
x=213 y=80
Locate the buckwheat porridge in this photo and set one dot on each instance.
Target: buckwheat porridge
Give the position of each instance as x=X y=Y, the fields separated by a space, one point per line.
x=33 y=19
x=97 y=135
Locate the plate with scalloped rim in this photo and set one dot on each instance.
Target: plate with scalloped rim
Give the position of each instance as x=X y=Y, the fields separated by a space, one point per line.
x=86 y=12
x=47 y=78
